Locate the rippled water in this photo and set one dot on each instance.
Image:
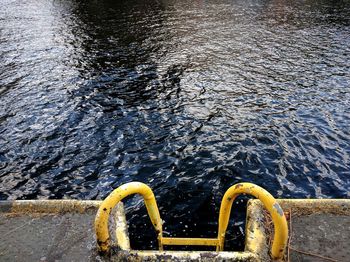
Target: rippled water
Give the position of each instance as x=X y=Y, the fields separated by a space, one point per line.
x=187 y=96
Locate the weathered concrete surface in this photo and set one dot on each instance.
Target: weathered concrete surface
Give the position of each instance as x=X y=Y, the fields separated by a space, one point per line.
x=185 y=256
x=47 y=237
x=255 y=231
x=54 y=230
x=319 y=229
x=64 y=231
x=327 y=235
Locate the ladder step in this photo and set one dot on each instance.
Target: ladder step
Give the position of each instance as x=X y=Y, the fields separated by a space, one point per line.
x=177 y=241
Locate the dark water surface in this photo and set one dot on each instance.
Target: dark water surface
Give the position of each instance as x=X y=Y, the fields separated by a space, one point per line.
x=187 y=96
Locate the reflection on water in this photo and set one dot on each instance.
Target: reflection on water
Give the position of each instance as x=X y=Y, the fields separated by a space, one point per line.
x=187 y=96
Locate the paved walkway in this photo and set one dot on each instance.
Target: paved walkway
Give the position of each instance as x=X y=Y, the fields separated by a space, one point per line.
x=325 y=235
x=50 y=237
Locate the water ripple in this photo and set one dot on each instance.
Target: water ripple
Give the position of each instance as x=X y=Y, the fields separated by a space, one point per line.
x=187 y=96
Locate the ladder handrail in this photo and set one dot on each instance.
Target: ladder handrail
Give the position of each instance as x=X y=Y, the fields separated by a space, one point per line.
x=101 y=219
x=278 y=217
x=279 y=220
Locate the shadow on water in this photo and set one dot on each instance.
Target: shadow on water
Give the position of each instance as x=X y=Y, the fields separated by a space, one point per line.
x=189 y=97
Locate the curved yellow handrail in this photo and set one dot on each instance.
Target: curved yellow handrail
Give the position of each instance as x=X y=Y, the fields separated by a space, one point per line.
x=101 y=220
x=278 y=218
x=270 y=203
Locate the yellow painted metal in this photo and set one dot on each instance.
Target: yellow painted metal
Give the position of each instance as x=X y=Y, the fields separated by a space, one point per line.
x=270 y=203
x=189 y=241
x=280 y=223
x=101 y=220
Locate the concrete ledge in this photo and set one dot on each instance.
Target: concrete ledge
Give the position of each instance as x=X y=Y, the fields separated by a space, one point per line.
x=319 y=229
x=62 y=230
x=54 y=230
x=136 y=255
x=48 y=206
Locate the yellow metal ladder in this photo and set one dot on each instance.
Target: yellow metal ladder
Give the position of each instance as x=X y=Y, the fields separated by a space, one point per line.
x=270 y=203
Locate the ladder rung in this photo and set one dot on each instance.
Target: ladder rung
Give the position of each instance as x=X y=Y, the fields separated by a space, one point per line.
x=189 y=241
